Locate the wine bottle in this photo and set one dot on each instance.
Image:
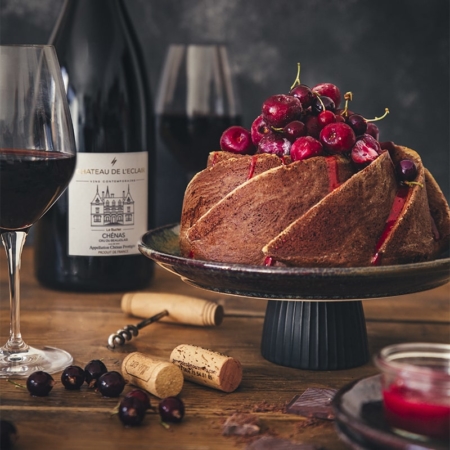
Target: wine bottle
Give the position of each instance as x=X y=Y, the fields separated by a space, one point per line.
x=88 y=240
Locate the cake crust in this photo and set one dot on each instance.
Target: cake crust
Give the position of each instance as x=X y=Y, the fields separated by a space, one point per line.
x=237 y=227
x=342 y=229
x=263 y=209
x=222 y=175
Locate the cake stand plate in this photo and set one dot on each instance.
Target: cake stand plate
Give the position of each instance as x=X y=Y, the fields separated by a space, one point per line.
x=314 y=317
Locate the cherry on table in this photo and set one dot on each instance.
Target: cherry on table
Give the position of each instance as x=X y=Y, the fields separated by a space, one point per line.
x=111 y=384
x=93 y=370
x=131 y=411
x=40 y=383
x=73 y=377
x=141 y=395
x=171 y=409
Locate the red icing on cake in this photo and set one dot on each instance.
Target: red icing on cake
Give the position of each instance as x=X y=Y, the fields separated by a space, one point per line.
x=251 y=170
x=214 y=158
x=269 y=261
x=396 y=210
x=332 y=172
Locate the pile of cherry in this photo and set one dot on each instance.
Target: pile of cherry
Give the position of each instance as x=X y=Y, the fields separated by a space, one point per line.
x=131 y=409
x=309 y=122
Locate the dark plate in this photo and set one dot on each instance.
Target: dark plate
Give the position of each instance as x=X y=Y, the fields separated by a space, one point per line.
x=360 y=420
x=353 y=440
x=292 y=283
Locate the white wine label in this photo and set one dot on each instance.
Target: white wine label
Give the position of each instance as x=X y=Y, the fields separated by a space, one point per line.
x=108 y=204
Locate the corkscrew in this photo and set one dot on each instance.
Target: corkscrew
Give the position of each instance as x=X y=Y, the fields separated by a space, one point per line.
x=130 y=331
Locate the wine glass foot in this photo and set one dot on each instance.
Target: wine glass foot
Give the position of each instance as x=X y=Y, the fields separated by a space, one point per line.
x=21 y=365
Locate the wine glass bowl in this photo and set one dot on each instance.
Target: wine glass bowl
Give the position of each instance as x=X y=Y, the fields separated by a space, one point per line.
x=196 y=101
x=37 y=161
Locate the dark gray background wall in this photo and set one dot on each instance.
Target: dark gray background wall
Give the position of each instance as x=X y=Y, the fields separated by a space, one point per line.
x=389 y=53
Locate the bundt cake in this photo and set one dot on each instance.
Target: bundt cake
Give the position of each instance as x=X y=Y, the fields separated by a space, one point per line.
x=310 y=185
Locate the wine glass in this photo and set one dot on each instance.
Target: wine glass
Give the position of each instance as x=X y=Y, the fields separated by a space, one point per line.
x=37 y=161
x=196 y=101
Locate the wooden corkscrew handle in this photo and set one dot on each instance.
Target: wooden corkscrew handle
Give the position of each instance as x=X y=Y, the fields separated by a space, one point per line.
x=183 y=309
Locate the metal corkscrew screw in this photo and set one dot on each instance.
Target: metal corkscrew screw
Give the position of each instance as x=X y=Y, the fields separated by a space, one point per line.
x=129 y=331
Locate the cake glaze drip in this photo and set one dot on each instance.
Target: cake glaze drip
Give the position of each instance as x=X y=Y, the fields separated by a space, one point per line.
x=269 y=261
x=397 y=207
x=333 y=174
x=251 y=170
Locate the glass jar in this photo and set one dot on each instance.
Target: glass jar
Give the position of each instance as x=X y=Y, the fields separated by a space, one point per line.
x=415 y=382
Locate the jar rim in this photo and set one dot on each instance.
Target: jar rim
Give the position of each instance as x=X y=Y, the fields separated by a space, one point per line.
x=390 y=359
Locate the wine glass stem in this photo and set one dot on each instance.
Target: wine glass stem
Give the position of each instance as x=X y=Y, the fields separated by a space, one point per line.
x=13 y=241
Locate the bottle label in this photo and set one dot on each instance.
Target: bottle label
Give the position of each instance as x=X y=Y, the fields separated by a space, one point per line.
x=108 y=204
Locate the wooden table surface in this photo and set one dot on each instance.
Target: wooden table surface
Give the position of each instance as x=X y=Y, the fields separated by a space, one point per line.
x=81 y=324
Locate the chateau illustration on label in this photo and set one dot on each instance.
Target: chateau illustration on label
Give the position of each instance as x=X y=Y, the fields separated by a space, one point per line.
x=107 y=209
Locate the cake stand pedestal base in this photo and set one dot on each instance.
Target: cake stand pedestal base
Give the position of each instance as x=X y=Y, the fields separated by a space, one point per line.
x=315 y=335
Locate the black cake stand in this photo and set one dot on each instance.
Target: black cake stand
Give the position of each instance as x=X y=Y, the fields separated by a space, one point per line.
x=314 y=318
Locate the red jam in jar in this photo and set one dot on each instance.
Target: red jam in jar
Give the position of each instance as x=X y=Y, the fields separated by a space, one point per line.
x=416 y=412
x=415 y=384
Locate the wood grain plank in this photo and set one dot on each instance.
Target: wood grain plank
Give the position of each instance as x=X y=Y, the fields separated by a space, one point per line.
x=81 y=324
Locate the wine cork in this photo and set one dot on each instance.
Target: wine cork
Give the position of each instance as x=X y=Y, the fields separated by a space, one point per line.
x=208 y=368
x=182 y=309
x=160 y=378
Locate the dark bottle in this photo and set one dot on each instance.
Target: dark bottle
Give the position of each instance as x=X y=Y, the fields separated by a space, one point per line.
x=88 y=240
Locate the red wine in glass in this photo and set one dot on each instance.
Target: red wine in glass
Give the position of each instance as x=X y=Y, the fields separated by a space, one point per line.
x=196 y=102
x=191 y=139
x=30 y=182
